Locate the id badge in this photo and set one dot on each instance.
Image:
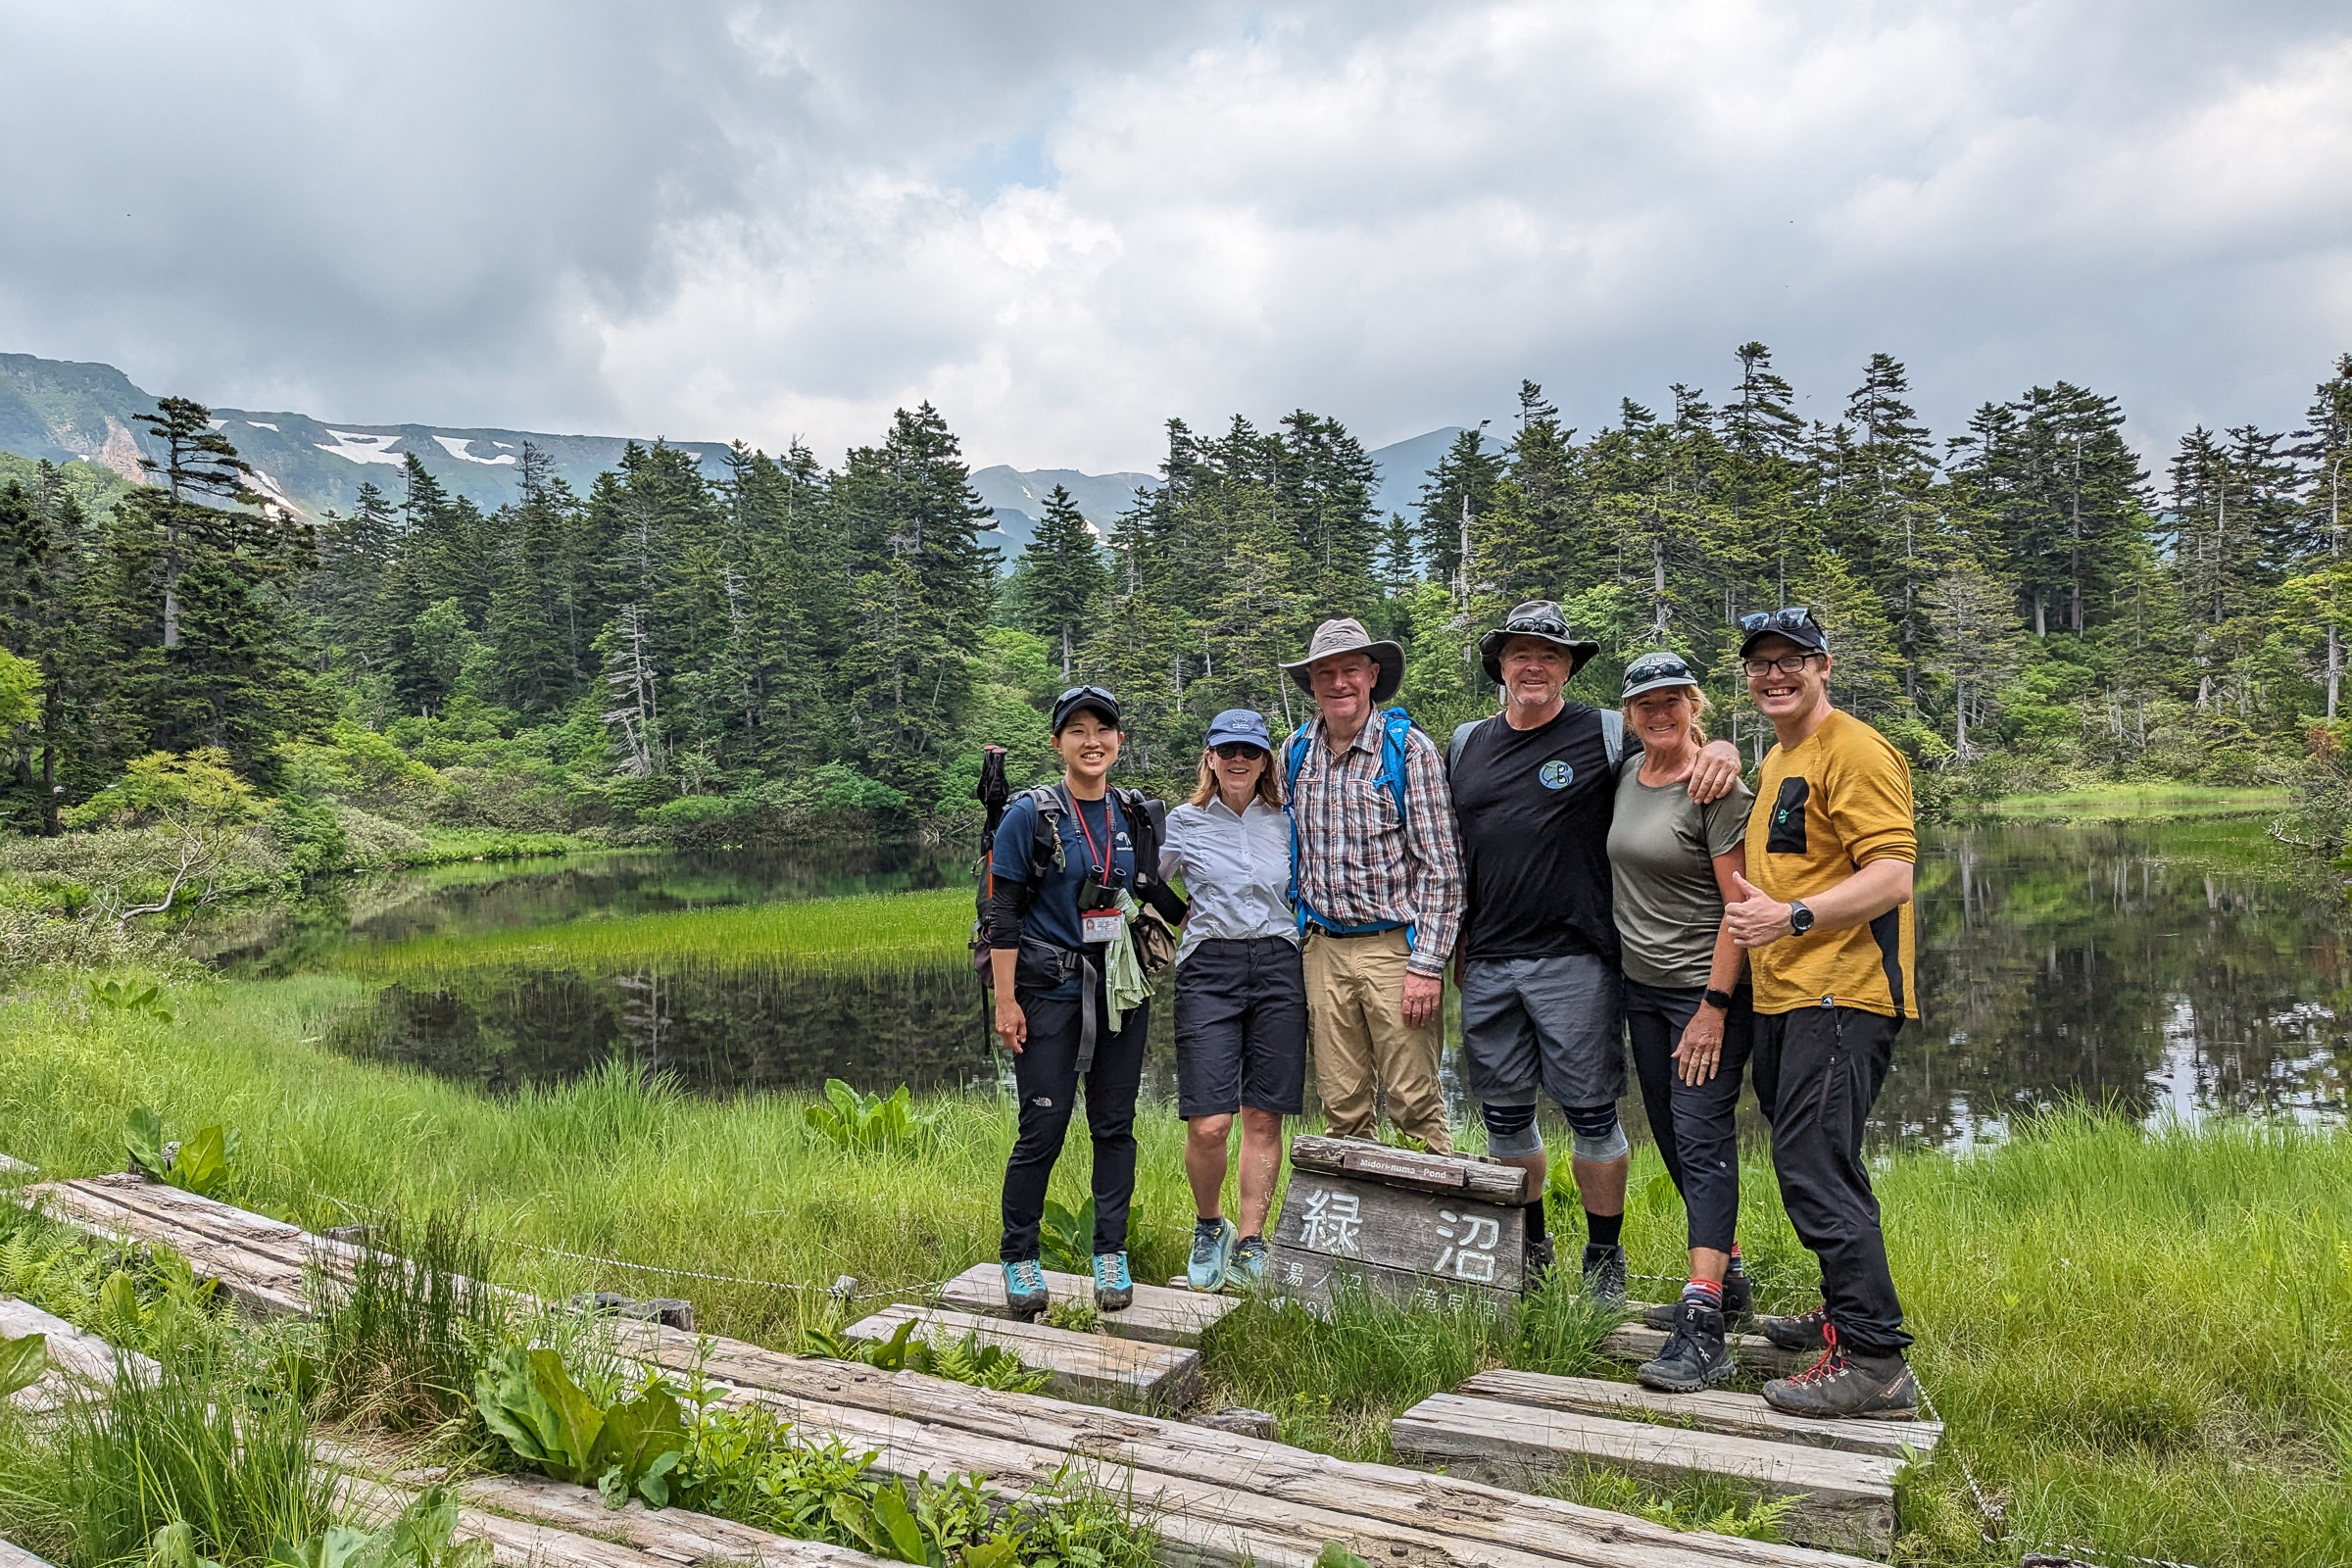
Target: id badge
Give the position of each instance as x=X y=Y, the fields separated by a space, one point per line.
x=1102 y=926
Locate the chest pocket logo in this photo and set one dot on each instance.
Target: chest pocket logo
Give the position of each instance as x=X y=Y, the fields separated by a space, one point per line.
x=1786 y=834
x=1555 y=774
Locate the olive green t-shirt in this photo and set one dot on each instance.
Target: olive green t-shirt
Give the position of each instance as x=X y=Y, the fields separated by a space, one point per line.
x=1662 y=849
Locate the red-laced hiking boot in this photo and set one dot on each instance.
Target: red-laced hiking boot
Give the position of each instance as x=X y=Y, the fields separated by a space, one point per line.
x=1840 y=1386
x=1804 y=1332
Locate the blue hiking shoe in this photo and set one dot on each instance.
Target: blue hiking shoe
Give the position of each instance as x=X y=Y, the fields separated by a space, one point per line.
x=1212 y=1253
x=1249 y=1269
x=1113 y=1290
x=1025 y=1293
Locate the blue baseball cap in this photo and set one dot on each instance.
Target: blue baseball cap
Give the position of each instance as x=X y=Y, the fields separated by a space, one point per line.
x=1238 y=724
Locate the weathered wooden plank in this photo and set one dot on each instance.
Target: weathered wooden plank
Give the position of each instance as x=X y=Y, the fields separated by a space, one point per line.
x=1636 y=1341
x=1212 y=1476
x=1739 y=1416
x=1314 y=1279
x=1844 y=1500
x=11 y=1165
x=1159 y=1313
x=261 y=1280
x=75 y=1357
x=1461 y=1174
x=514 y=1542
x=1345 y=1219
x=13 y=1556
x=1133 y=1374
x=669 y=1534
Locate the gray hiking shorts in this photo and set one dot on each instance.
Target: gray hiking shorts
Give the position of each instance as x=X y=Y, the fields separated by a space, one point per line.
x=1552 y=1024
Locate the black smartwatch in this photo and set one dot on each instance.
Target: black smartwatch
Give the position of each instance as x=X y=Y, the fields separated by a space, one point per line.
x=1800 y=918
x=1720 y=1000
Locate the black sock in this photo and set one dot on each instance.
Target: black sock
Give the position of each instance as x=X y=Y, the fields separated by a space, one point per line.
x=1534 y=1221
x=1602 y=1229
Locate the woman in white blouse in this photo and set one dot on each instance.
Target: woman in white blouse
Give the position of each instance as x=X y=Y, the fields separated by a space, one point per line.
x=1241 y=998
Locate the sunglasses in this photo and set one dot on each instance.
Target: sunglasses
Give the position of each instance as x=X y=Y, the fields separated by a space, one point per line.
x=1654 y=669
x=1076 y=692
x=1234 y=750
x=1540 y=626
x=1784 y=620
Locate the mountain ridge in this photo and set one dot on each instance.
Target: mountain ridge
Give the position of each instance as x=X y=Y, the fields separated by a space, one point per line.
x=70 y=411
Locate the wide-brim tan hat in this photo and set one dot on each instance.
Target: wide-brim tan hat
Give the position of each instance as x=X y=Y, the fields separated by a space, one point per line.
x=1541 y=619
x=1347 y=635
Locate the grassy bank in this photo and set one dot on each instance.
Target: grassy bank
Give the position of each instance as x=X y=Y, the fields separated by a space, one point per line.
x=2133 y=803
x=864 y=930
x=2141 y=1342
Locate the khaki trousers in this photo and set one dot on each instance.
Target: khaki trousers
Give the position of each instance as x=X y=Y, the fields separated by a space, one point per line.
x=1356 y=1014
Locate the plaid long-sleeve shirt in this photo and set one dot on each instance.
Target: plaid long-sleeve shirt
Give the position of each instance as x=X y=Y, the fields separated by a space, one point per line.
x=1358 y=865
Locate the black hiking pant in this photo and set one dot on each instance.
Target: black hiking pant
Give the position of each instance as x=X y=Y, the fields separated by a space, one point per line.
x=1048 y=1076
x=1818 y=1070
x=1697 y=1126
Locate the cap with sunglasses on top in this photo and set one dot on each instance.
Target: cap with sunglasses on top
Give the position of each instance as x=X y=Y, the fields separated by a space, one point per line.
x=1096 y=700
x=1795 y=623
x=1239 y=726
x=1655 y=672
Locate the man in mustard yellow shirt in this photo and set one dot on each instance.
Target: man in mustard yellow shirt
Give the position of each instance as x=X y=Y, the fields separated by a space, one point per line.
x=1827 y=923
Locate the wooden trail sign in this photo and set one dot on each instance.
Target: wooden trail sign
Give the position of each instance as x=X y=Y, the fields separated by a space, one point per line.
x=1429 y=1230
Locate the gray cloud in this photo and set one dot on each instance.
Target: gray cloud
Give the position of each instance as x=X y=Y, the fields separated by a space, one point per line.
x=1064 y=224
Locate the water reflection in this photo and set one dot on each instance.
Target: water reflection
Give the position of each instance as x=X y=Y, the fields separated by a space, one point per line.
x=2162 y=969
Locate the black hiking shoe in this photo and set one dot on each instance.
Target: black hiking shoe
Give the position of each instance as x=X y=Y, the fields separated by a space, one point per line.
x=1539 y=1260
x=1807 y=1331
x=1739 y=1307
x=1841 y=1386
x=1695 y=1358
x=1604 y=1274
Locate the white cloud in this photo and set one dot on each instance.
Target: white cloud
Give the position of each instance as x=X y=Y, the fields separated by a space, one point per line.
x=1064 y=225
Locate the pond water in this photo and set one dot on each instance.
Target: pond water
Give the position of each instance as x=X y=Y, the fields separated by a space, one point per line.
x=2164 y=970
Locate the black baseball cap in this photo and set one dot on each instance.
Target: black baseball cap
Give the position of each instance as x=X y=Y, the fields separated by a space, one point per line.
x=1794 y=622
x=1085 y=698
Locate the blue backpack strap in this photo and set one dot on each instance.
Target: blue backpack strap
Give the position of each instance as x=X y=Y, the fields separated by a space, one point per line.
x=1294 y=759
x=1396 y=743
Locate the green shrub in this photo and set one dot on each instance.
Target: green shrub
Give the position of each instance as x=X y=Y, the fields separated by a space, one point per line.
x=624 y=1449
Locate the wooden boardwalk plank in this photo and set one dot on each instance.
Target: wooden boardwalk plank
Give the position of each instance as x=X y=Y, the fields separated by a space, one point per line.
x=1224 y=1485
x=1846 y=1501
x=1133 y=1374
x=75 y=1357
x=1740 y=1416
x=1158 y=1312
x=669 y=1534
x=1636 y=1341
x=1486 y=1181
x=13 y=1556
x=514 y=1542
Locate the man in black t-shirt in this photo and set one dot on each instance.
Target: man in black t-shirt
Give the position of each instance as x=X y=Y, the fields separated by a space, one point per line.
x=1534 y=788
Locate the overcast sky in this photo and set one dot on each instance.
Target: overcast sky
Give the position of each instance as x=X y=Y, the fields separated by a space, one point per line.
x=1065 y=224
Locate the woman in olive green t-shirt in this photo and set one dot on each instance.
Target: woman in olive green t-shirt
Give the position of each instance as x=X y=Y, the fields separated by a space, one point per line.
x=1673 y=865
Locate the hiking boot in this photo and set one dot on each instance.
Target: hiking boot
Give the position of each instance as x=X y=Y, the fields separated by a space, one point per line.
x=1212 y=1253
x=1249 y=1269
x=1113 y=1289
x=1695 y=1358
x=1739 y=1307
x=1539 y=1260
x=1604 y=1274
x=1841 y=1386
x=1025 y=1294
x=1807 y=1331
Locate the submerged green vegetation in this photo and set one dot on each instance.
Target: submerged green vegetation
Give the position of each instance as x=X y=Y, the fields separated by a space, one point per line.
x=2140 y=1339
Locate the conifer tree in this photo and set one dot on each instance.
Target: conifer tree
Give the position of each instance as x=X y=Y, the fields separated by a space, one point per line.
x=1060 y=577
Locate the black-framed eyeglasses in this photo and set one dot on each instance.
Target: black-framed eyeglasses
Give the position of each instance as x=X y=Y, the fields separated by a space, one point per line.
x=1234 y=750
x=1786 y=664
x=1786 y=618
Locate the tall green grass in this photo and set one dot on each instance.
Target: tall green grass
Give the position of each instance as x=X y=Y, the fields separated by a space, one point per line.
x=399 y=1345
x=866 y=929
x=2142 y=1342
x=2136 y=802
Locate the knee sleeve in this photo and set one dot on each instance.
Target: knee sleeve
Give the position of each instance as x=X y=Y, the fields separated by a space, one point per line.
x=1512 y=1130
x=1597 y=1134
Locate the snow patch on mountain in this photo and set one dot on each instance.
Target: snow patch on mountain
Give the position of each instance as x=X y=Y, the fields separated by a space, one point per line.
x=358 y=446
x=456 y=445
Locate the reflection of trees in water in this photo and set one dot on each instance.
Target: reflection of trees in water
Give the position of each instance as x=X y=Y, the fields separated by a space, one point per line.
x=2059 y=962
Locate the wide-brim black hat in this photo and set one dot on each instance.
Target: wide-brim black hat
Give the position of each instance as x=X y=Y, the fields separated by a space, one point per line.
x=1539 y=618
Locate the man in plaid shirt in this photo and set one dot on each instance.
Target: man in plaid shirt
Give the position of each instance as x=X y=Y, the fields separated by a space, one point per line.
x=1380 y=890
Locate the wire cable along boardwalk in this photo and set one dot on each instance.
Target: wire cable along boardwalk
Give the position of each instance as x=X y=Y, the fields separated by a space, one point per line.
x=1216 y=1498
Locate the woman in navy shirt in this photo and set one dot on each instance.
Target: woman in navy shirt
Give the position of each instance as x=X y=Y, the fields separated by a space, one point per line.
x=1048 y=943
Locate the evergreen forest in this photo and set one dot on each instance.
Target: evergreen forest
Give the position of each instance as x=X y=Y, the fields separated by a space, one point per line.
x=793 y=649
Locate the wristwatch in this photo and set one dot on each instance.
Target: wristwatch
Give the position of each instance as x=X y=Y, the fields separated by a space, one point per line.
x=1800 y=918
x=1720 y=1000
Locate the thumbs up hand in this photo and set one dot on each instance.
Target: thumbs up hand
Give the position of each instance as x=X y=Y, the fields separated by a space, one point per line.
x=1757 y=918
